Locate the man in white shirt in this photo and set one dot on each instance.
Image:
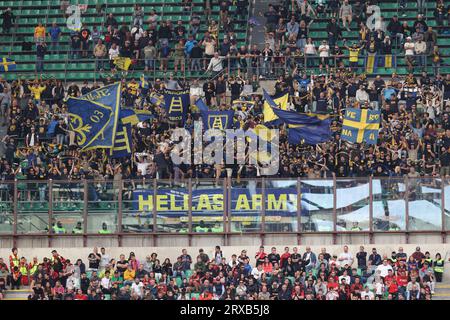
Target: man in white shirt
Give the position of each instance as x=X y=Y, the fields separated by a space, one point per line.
x=215 y=64
x=105 y=283
x=104 y=259
x=345 y=258
x=196 y=91
x=324 y=53
x=137 y=287
x=409 y=52
x=361 y=95
x=257 y=272
x=384 y=268
x=367 y=294
x=420 y=49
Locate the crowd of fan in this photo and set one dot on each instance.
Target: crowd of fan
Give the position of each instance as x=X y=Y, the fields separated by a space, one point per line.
x=414 y=139
x=290 y=275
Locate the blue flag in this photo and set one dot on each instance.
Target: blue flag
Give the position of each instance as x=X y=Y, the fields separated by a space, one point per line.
x=176 y=103
x=305 y=128
x=218 y=119
x=202 y=107
x=292 y=117
x=310 y=134
x=361 y=125
x=94 y=117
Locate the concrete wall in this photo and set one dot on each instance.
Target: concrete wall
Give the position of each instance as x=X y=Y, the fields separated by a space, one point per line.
x=178 y=240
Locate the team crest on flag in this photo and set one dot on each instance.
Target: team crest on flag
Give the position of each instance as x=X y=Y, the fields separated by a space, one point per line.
x=361 y=125
x=220 y=120
x=94 y=117
x=176 y=103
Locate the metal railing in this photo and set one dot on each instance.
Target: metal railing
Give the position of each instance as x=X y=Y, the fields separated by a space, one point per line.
x=248 y=66
x=225 y=207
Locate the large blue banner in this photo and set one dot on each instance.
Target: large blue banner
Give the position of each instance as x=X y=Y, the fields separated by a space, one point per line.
x=244 y=201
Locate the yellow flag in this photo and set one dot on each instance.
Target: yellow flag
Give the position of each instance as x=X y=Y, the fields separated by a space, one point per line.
x=122 y=63
x=281 y=102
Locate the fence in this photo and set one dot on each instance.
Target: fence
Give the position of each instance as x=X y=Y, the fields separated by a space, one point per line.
x=225 y=207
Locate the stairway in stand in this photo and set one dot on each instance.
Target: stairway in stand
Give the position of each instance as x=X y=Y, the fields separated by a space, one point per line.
x=442 y=291
x=21 y=294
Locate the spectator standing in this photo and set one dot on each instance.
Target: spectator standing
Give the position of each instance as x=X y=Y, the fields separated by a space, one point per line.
x=54 y=34
x=346 y=14
x=39 y=33
x=150 y=54
x=334 y=32
x=138 y=15
x=8 y=20
x=100 y=55
x=409 y=53
x=41 y=50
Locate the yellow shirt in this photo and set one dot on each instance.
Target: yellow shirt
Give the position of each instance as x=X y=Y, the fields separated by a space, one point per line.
x=354 y=53
x=36 y=91
x=39 y=31
x=129 y=275
x=134 y=87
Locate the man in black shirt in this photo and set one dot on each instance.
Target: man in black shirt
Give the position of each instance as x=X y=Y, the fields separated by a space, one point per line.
x=444 y=159
x=273 y=256
x=361 y=257
x=122 y=264
x=41 y=50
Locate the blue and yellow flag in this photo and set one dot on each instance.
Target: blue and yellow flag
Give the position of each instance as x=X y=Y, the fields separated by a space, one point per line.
x=122 y=63
x=220 y=120
x=361 y=125
x=371 y=63
x=123 y=142
x=177 y=104
x=144 y=85
x=7 y=64
x=157 y=99
x=386 y=61
x=133 y=117
x=94 y=117
x=280 y=101
x=242 y=107
x=305 y=128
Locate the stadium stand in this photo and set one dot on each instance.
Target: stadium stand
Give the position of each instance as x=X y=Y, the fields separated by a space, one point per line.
x=59 y=66
x=30 y=13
